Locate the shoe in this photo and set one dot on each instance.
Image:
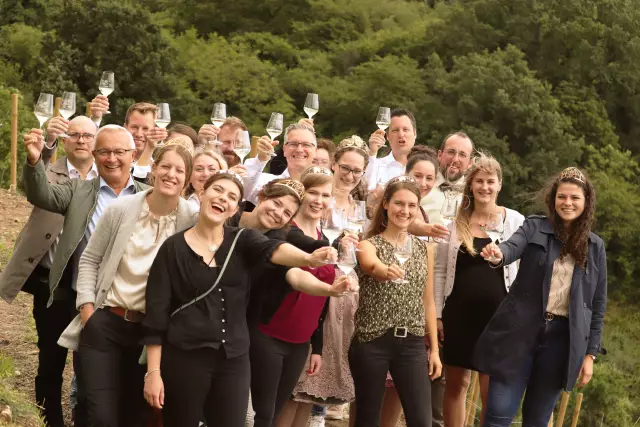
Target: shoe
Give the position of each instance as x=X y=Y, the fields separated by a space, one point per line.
x=335 y=412
x=316 y=421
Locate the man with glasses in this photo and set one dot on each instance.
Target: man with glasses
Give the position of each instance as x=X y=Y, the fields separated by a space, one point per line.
x=33 y=254
x=299 y=150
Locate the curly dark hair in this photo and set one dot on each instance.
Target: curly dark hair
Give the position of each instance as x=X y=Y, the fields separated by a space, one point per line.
x=575 y=239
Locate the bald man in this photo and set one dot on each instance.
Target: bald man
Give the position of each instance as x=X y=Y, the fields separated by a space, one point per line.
x=34 y=251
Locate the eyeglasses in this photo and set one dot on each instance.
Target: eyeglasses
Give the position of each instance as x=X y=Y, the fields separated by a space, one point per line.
x=357 y=173
x=107 y=153
x=323 y=162
x=75 y=136
x=451 y=152
x=295 y=145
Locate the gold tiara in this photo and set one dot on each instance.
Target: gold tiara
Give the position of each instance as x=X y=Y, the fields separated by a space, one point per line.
x=293 y=185
x=354 y=141
x=572 y=173
x=315 y=170
x=233 y=175
x=401 y=178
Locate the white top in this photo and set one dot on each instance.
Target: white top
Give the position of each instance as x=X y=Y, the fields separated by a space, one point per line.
x=130 y=281
x=432 y=202
x=382 y=169
x=560 y=291
x=447 y=255
x=256 y=179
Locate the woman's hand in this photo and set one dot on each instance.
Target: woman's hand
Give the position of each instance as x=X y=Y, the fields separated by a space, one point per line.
x=349 y=239
x=492 y=253
x=440 y=328
x=394 y=272
x=315 y=365
x=86 y=311
x=435 y=365
x=322 y=256
x=439 y=231
x=154 y=389
x=343 y=285
x=586 y=371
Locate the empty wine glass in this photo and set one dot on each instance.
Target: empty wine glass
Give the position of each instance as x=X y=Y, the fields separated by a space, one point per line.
x=163 y=118
x=107 y=85
x=358 y=216
x=218 y=116
x=403 y=251
x=332 y=224
x=274 y=127
x=44 y=108
x=448 y=211
x=242 y=144
x=383 y=120
x=311 y=105
x=347 y=260
x=494 y=229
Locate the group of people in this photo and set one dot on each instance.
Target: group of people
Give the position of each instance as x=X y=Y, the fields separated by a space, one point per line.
x=194 y=288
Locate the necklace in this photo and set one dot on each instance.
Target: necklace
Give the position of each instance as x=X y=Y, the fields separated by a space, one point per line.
x=212 y=247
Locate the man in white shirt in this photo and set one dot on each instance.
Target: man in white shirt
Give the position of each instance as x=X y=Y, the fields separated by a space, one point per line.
x=455 y=157
x=402 y=134
x=299 y=149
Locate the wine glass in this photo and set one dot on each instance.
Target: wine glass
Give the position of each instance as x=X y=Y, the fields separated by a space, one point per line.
x=107 y=85
x=311 y=105
x=448 y=211
x=347 y=260
x=384 y=118
x=402 y=251
x=332 y=224
x=274 y=127
x=218 y=116
x=242 y=144
x=494 y=229
x=163 y=118
x=67 y=108
x=44 y=108
x=358 y=216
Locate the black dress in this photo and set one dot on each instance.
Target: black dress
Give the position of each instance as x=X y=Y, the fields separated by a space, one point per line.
x=477 y=292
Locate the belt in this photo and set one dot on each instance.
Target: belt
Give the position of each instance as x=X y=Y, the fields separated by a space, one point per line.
x=549 y=317
x=400 y=332
x=128 y=315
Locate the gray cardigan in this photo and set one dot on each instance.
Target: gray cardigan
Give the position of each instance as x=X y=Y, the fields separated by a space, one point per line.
x=99 y=261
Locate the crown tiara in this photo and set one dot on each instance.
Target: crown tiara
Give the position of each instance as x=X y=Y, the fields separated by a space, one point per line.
x=315 y=170
x=233 y=175
x=354 y=141
x=293 y=185
x=572 y=173
x=401 y=178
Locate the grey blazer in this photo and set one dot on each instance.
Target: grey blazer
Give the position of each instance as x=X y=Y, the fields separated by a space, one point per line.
x=99 y=261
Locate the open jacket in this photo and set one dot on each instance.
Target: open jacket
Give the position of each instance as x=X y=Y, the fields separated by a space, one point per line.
x=100 y=260
x=514 y=328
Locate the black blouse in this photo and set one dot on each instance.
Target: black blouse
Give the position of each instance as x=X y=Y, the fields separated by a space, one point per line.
x=178 y=275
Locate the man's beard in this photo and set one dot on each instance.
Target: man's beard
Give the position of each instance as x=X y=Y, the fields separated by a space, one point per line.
x=451 y=177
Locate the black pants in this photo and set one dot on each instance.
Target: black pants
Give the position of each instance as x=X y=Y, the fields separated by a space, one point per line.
x=204 y=380
x=50 y=323
x=406 y=359
x=275 y=370
x=112 y=378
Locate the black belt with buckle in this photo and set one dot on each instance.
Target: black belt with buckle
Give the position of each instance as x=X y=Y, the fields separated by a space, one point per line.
x=548 y=317
x=400 y=332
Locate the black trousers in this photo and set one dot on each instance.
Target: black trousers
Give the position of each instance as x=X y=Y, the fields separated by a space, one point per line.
x=50 y=323
x=111 y=376
x=275 y=370
x=204 y=380
x=406 y=359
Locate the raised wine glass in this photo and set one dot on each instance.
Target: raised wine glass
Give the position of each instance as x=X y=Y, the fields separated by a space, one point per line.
x=448 y=211
x=494 y=229
x=44 y=108
x=218 y=116
x=242 y=144
x=274 y=128
x=107 y=85
x=347 y=260
x=311 y=105
x=403 y=251
x=383 y=120
x=163 y=118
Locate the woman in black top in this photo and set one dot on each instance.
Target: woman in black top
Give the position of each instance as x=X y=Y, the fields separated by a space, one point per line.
x=202 y=349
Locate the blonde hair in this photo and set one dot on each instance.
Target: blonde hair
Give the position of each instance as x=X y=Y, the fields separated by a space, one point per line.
x=482 y=163
x=183 y=142
x=204 y=152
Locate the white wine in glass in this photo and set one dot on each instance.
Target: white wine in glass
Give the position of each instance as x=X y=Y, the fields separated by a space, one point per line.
x=218 y=116
x=44 y=108
x=311 y=105
x=107 y=85
x=274 y=127
x=494 y=229
x=384 y=118
x=67 y=107
x=242 y=144
x=163 y=118
x=402 y=251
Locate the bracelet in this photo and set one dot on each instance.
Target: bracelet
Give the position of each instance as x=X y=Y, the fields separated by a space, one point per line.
x=150 y=372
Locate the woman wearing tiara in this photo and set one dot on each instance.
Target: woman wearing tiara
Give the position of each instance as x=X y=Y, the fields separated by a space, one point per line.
x=547 y=332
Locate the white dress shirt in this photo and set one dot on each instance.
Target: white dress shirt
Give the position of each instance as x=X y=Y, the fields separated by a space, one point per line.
x=256 y=179
x=380 y=170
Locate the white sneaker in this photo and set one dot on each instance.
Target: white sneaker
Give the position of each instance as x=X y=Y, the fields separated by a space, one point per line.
x=316 y=421
x=335 y=412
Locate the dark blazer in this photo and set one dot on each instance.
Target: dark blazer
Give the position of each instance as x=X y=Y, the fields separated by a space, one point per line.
x=512 y=332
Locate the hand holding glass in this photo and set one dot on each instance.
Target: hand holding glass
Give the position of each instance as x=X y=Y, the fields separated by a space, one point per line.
x=163 y=118
x=67 y=107
x=403 y=251
x=218 y=116
x=347 y=260
x=494 y=229
x=383 y=120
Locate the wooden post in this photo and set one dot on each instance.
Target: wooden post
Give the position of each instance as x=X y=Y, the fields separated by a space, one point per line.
x=550 y=421
x=472 y=397
x=56 y=113
x=88 y=111
x=563 y=409
x=576 y=410
x=254 y=147
x=14 y=142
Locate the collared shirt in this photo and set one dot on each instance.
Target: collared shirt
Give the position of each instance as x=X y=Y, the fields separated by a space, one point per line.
x=47 y=260
x=141 y=171
x=432 y=202
x=380 y=170
x=560 y=289
x=256 y=179
x=130 y=281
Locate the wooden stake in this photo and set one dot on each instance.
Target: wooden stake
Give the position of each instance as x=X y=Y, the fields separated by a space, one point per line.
x=563 y=409
x=88 y=111
x=576 y=410
x=56 y=113
x=14 y=142
x=550 y=421
x=254 y=147
x=469 y=416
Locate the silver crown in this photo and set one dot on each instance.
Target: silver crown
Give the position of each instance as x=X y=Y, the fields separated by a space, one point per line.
x=319 y=170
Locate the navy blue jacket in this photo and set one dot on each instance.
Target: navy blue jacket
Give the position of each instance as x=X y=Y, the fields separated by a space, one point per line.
x=512 y=332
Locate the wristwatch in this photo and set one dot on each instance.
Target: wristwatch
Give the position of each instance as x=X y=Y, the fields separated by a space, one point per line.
x=592 y=356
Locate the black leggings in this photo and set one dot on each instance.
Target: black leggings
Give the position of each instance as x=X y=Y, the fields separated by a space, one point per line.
x=275 y=369
x=406 y=359
x=204 y=380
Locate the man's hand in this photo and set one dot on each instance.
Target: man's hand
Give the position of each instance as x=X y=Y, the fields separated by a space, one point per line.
x=34 y=143
x=99 y=106
x=154 y=136
x=208 y=133
x=376 y=141
x=56 y=127
x=240 y=170
x=265 y=147
x=307 y=123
